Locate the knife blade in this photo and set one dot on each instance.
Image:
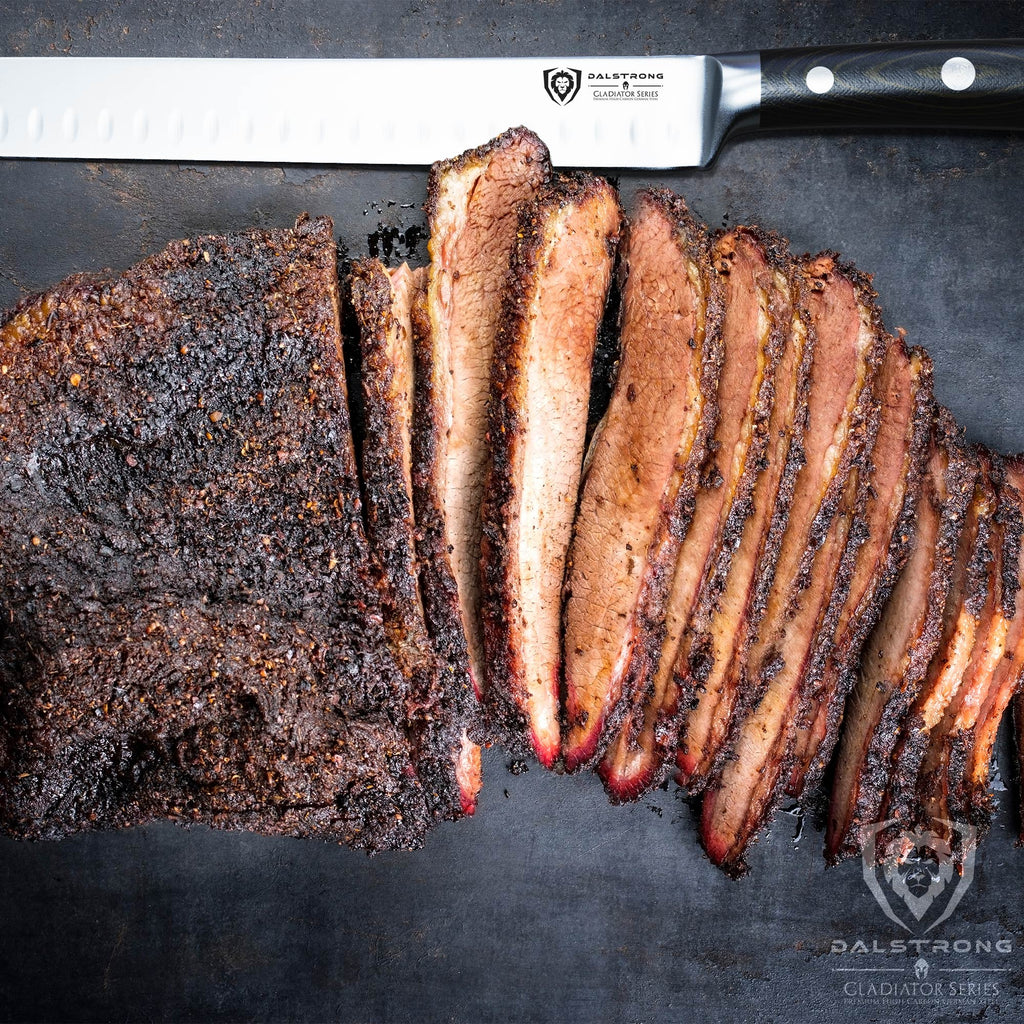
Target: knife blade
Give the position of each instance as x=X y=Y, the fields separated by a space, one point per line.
x=653 y=112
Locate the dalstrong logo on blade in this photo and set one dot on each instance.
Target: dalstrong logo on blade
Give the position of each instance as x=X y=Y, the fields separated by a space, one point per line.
x=562 y=84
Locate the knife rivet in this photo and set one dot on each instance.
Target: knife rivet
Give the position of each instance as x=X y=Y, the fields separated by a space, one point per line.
x=958 y=74
x=70 y=124
x=820 y=79
x=35 y=124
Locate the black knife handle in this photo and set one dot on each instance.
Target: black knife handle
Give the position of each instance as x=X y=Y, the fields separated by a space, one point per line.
x=927 y=85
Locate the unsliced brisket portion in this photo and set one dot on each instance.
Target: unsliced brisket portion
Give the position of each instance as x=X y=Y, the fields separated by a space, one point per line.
x=441 y=706
x=726 y=614
x=473 y=206
x=904 y=389
x=561 y=269
x=899 y=649
x=642 y=469
x=839 y=431
x=190 y=620
x=752 y=268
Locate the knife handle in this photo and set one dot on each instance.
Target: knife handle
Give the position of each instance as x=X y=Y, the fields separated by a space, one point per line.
x=901 y=85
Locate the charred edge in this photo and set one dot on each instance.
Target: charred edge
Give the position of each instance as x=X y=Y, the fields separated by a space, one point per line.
x=504 y=703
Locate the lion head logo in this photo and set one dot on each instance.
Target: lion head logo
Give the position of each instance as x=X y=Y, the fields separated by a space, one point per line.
x=562 y=84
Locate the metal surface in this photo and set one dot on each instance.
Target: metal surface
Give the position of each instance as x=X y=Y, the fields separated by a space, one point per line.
x=633 y=112
x=550 y=905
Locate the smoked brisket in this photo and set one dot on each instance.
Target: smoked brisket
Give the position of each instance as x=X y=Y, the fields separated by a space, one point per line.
x=191 y=627
x=751 y=266
x=555 y=296
x=473 y=204
x=642 y=470
x=442 y=708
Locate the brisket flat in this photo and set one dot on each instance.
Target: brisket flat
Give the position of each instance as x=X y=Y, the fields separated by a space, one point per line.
x=751 y=266
x=473 y=206
x=544 y=349
x=642 y=470
x=442 y=707
x=898 y=651
x=904 y=389
x=191 y=626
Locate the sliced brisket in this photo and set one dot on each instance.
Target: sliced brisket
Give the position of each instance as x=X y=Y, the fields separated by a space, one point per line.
x=191 y=626
x=725 y=612
x=975 y=732
x=641 y=472
x=962 y=615
x=839 y=432
x=904 y=390
x=900 y=648
x=561 y=269
x=752 y=267
x=442 y=706
x=473 y=206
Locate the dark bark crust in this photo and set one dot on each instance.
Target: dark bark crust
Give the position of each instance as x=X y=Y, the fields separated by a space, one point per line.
x=191 y=622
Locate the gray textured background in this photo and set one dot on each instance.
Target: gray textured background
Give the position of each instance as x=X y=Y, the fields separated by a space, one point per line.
x=550 y=904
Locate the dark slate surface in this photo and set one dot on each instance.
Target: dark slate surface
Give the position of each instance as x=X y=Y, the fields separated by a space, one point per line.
x=550 y=905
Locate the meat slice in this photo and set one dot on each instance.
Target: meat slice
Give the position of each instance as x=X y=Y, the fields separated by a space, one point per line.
x=943 y=763
x=473 y=209
x=839 y=431
x=722 y=619
x=975 y=736
x=900 y=647
x=191 y=626
x=752 y=267
x=965 y=602
x=753 y=777
x=442 y=707
x=544 y=349
x=641 y=472
x=904 y=389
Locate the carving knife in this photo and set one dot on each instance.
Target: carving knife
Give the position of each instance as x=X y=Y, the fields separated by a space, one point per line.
x=652 y=112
